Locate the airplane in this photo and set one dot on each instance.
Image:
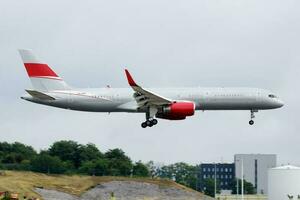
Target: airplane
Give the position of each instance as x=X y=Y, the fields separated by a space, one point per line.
x=163 y=103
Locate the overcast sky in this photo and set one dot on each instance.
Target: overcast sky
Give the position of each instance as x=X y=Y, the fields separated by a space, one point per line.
x=164 y=43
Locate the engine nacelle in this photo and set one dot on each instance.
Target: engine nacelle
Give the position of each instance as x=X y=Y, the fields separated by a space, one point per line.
x=177 y=111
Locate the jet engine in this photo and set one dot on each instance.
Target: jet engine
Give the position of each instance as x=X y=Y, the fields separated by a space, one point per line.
x=177 y=111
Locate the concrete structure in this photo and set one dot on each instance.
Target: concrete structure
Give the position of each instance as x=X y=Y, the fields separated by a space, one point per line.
x=284 y=183
x=255 y=169
x=224 y=172
x=239 y=197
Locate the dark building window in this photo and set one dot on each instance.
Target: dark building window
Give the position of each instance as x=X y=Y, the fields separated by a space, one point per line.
x=223 y=173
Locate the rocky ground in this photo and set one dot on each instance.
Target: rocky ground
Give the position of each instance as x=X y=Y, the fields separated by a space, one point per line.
x=126 y=190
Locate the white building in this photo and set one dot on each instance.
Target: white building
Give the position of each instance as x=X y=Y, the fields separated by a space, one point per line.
x=284 y=183
x=255 y=169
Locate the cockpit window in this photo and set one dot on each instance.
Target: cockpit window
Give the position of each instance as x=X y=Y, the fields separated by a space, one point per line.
x=272 y=96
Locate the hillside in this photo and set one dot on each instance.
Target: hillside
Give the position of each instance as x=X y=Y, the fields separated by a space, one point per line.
x=85 y=187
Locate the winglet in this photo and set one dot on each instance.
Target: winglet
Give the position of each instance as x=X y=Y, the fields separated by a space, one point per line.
x=130 y=79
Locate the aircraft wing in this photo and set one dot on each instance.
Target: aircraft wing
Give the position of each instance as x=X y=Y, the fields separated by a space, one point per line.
x=145 y=97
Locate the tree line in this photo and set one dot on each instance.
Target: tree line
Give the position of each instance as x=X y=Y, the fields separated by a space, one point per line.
x=69 y=157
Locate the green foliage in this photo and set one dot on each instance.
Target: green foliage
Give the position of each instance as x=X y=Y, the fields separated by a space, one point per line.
x=97 y=167
x=89 y=152
x=75 y=153
x=118 y=163
x=12 y=157
x=87 y=167
x=248 y=187
x=5 y=147
x=69 y=157
x=209 y=187
x=180 y=172
x=185 y=174
x=25 y=165
x=166 y=172
x=15 y=152
x=45 y=163
x=66 y=151
x=26 y=151
x=140 y=170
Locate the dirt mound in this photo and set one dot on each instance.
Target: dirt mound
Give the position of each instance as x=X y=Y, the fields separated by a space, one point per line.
x=76 y=187
x=126 y=190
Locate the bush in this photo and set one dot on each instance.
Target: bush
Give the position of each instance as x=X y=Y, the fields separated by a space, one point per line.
x=66 y=151
x=118 y=163
x=75 y=153
x=97 y=167
x=15 y=153
x=45 y=163
x=141 y=170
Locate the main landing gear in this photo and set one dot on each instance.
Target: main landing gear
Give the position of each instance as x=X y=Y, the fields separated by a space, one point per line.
x=150 y=121
x=251 y=122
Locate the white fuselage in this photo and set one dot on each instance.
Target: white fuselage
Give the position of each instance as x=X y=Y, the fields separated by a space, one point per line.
x=164 y=103
x=122 y=100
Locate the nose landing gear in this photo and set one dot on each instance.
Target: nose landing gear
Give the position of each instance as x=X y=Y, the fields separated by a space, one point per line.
x=251 y=122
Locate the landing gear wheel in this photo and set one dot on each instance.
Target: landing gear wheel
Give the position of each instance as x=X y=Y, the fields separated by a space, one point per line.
x=144 y=125
x=148 y=122
x=252 y=116
x=150 y=114
x=154 y=121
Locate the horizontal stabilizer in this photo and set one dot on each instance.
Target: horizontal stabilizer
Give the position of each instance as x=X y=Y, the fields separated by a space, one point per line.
x=40 y=95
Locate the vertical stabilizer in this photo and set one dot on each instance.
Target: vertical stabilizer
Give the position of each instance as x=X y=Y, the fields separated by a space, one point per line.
x=42 y=77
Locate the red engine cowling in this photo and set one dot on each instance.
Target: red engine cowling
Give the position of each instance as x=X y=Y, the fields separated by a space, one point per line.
x=177 y=111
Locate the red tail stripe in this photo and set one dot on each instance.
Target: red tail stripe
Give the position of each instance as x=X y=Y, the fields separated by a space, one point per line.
x=37 y=69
